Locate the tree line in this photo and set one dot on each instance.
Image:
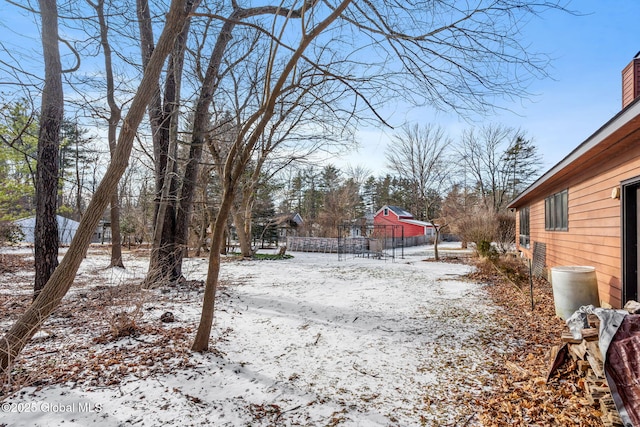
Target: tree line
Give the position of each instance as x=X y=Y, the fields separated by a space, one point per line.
x=217 y=99
x=428 y=172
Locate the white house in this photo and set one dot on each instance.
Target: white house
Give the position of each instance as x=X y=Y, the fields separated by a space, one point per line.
x=66 y=229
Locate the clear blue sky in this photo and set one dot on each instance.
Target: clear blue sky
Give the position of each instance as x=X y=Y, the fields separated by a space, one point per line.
x=589 y=52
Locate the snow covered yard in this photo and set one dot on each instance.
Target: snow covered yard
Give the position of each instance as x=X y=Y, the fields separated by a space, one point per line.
x=308 y=341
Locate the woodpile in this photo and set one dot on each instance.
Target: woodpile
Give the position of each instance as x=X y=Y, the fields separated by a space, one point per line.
x=583 y=359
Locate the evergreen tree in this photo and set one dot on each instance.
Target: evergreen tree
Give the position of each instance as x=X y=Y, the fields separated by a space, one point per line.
x=369 y=195
x=18 y=149
x=74 y=161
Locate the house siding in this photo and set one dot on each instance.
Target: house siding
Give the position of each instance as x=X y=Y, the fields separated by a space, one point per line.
x=594 y=228
x=411 y=230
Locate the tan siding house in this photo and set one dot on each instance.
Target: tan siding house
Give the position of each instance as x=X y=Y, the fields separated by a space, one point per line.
x=586 y=209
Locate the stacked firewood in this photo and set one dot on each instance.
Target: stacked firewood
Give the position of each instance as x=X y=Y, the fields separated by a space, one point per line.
x=583 y=358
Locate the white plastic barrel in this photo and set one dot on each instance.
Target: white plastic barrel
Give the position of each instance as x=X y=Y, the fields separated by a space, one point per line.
x=573 y=287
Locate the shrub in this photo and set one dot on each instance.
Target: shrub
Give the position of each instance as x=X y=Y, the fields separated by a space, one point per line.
x=505 y=231
x=479 y=227
x=10 y=232
x=487 y=250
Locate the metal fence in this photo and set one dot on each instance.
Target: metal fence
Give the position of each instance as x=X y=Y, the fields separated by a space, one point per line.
x=354 y=245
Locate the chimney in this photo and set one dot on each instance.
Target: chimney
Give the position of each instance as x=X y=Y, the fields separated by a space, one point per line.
x=631 y=81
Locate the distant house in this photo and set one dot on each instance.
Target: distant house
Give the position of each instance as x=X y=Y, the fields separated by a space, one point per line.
x=360 y=227
x=66 y=229
x=395 y=216
x=586 y=209
x=287 y=224
x=103 y=232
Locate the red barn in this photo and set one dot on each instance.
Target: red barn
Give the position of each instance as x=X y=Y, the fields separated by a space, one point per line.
x=393 y=215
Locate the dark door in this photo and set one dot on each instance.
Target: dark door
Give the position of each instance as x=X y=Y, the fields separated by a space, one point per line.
x=630 y=238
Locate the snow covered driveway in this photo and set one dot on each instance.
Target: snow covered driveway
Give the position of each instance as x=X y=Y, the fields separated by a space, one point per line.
x=312 y=341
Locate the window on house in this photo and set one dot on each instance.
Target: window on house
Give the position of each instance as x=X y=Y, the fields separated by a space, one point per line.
x=386 y=212
x=524 y=228
x=556 y=212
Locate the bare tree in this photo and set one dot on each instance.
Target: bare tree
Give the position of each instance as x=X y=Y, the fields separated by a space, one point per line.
x=176 y=196
x=308 y=119
x=164 y=116
x=201 y=132
x=14 y=340
x=98 y=97
x=341 y=204
x=113 y=121
x=240 y=154
x=417 y=154
x=479 y=226
x=458 y=207
x=499 y=160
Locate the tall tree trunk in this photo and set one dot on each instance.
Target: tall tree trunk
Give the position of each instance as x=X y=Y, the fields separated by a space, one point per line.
x=113 y=121
x=244 y=237
x=201 y=341
x=155 y=104
x=46 y=230
x=79 y=181
x=14 y=340
x=199 y=134
x=183 y=202
x=163 y=265
x=116 y=236
x=162 y=259
x=160 y=137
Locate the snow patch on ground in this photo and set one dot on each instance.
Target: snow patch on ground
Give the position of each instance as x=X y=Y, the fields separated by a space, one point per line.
x=311 y=341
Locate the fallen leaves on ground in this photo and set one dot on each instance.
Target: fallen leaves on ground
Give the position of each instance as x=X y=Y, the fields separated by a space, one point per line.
x=521 y=395
x=96 y=338
x=13 y=263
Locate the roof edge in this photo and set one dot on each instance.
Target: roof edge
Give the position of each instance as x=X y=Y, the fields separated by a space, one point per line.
x=616 y=122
